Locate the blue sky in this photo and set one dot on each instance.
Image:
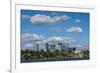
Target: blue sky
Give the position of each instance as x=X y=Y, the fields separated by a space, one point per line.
x=51 y=23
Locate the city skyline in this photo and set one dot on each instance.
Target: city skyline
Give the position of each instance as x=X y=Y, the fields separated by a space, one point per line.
x=52 y=25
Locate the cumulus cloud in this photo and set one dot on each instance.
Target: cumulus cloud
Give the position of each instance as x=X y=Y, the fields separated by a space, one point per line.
x=29 y=45
x=39 y=39
x=51 y=40
x=25 y=16
x=40 y=18
x=26 y=30
x=66 y=39
x=77 y=46
x=44 y=19
x=75 y=29
x=28 y=37
x=56 y=29
x=77 y=20
x=55 y=39
x=54 y=13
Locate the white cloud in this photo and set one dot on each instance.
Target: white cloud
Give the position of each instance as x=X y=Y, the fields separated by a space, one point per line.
x=77 y=46
x=37 y=37
x=26 y=16
x=77 y=20
x=75 y=29
x=40 y=18
x=42 y=41
x=55 y=39
x=28 y=37
x=69 y=39
x=26 y=30
x=29 y=45
x=56 y=29
x=54 y=13
x=58 y=39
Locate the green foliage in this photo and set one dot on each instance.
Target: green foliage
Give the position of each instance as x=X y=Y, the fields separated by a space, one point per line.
x=85 y=54
x=27 y=55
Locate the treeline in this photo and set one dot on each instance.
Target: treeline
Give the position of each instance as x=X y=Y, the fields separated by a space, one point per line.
x=55 y=54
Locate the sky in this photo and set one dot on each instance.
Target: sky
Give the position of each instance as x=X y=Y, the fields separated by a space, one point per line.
x=44 y=25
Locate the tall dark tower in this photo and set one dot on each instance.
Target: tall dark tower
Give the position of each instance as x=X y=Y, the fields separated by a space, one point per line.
x=64 y=46
x=37 y=45
x=67 y=47
x=60 y=44
x=47 y=46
